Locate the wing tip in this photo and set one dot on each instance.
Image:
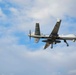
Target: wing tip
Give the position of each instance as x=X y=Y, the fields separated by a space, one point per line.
x=58 y=20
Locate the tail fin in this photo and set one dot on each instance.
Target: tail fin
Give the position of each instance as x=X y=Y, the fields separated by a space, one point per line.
x=37 y=32
x=37 y=29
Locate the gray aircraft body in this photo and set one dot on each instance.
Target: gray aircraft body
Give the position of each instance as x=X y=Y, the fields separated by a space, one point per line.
x=53 y=38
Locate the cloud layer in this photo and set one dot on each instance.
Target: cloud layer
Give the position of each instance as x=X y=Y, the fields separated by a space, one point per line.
x=19 y=56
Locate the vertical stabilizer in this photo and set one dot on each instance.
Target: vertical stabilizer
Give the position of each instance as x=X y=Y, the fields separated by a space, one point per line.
x=37 y=32
x=37 y=29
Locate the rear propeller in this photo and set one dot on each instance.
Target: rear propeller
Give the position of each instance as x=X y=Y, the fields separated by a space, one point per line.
x=30 y=34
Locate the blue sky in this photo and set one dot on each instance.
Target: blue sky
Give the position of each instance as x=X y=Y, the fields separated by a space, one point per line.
x=19 y=56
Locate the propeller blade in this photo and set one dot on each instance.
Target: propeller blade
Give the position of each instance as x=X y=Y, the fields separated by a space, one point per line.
x=30 y=34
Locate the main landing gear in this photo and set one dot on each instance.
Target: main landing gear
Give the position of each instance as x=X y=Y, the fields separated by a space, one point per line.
x=51 y=46
x=66 y=43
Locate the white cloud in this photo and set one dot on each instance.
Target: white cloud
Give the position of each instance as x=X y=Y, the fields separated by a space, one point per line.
x=44 y=12
x=14 y=10
x=2 y=15
x=37 y=62
x=20 y=3
x=72 y=72
x=43 y=9
x=18 y=59
x=53 y=8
